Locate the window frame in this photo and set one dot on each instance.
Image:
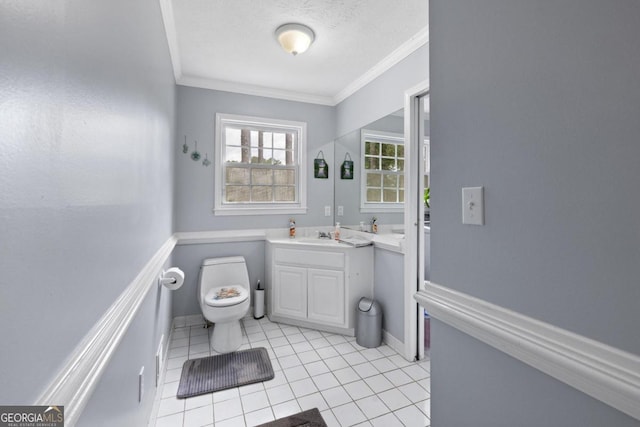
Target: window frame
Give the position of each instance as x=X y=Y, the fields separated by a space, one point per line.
x=382 y=137
x=260 y=208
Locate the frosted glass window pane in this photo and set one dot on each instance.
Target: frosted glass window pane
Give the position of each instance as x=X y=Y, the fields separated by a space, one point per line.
x=285 y=194
x=373 y=195
x=390 y=196
x=374 y=180
x=237 y=176
x=237 y=194
x=261 y=194
x=390 y=181
x=261 y=177
x=284 y=177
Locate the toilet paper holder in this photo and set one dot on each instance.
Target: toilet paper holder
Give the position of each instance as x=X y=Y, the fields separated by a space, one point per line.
x=172 y=278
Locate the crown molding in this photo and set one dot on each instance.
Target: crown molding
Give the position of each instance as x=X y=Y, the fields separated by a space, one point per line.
x=254 y=90
x=406 y=49
x=601 y=371
x=166 y=9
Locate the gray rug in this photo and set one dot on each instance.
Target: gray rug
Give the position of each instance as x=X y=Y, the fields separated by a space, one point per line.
x=310 y=418
x=213 y=373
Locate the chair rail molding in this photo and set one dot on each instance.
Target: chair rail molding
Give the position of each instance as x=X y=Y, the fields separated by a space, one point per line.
x=601 y=371
x=77 y=379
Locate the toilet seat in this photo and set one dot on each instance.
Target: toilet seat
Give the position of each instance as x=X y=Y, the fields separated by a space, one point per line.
x=211 y=301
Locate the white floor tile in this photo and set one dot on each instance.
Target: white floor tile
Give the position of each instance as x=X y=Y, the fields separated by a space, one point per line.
x=325 y=381
x=227 y=409
x=296 y=373
x=414 y=392
x=335 y=363
x=394 y=399
x=259 y=417
x=170 y=420
x=199 y=401
x=289 y=361
x=254 y=401
x=397 y=377
x=350 y=385
x=303 y=387
x=411 y=416
x=346 y=375
x=285 y=409
x=170 y=406
x=366 y=370
x=309 y=356
x=358 y=390
x=372 y=406
x=378 y=383
x=329 y=418
x=280 y=394
x=349 y=414
x=388 y=420
x=336 y=396
x=316 y=368
x=199 y=417
x=314 y=400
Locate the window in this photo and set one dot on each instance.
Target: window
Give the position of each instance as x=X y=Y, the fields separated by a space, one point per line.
x=382 y=171
x=260 y=166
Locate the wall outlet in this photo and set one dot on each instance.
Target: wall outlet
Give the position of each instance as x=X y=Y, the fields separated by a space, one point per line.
x=159 y=360
x=327 y=211
x=141 y=384
x=340 y=210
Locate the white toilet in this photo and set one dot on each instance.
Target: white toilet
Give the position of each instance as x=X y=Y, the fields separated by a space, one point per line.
x=224 y=297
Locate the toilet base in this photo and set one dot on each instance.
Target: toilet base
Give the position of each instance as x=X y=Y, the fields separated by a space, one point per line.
x=226 y=336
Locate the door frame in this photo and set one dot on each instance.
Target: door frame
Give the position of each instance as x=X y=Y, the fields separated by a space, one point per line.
x=413 y=219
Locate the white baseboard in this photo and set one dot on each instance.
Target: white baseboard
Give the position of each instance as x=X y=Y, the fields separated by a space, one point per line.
x=603 y=372
x=77 y=379
x=393 y=342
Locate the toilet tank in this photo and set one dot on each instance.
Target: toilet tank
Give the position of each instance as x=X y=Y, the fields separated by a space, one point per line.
x=217 y=272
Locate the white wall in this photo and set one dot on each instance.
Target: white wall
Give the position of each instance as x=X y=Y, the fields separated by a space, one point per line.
x=539 y=103
x=87 y=108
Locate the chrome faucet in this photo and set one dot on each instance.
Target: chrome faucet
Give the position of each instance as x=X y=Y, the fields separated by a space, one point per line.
x=323 y=235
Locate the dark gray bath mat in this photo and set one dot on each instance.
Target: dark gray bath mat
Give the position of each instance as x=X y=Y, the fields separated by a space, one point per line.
x=213 y=373
x=310 y=418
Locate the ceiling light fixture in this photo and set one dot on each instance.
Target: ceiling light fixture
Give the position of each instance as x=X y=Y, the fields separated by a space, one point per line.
x=295 y=38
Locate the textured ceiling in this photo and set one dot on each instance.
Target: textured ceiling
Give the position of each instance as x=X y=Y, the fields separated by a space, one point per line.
x=225 y=42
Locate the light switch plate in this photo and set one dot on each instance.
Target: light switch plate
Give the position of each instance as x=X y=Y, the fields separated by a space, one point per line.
x=340 y=210
x=473 y=205
x=327 y=211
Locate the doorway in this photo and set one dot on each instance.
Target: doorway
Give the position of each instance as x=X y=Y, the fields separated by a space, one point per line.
x=417 y=254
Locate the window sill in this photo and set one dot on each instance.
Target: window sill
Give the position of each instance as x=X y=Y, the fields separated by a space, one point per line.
x=259 y=211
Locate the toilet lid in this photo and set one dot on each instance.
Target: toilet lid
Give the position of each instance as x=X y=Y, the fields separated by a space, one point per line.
x=225 y=296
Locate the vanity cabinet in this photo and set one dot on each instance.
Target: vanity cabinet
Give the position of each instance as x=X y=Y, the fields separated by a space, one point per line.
x=317 y=286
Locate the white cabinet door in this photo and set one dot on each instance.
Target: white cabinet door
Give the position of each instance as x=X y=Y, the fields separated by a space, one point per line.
x=290 y=291
x=326 y=296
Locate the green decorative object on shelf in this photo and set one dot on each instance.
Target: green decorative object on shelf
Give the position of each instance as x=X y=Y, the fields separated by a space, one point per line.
x=426 y=197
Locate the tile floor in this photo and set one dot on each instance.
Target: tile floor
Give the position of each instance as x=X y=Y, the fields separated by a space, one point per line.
x=349 y=384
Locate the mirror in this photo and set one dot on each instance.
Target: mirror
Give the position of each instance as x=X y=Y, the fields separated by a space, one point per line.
x=378 y=190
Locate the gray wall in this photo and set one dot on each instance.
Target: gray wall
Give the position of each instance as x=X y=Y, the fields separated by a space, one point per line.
x=384 y=95
x=189 y=259
x=87 y=108
x=539 y=103
x=197 y=110
x=388 y=289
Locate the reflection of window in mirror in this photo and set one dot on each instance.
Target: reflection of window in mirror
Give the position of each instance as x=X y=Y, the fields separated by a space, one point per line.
x=382 y=157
